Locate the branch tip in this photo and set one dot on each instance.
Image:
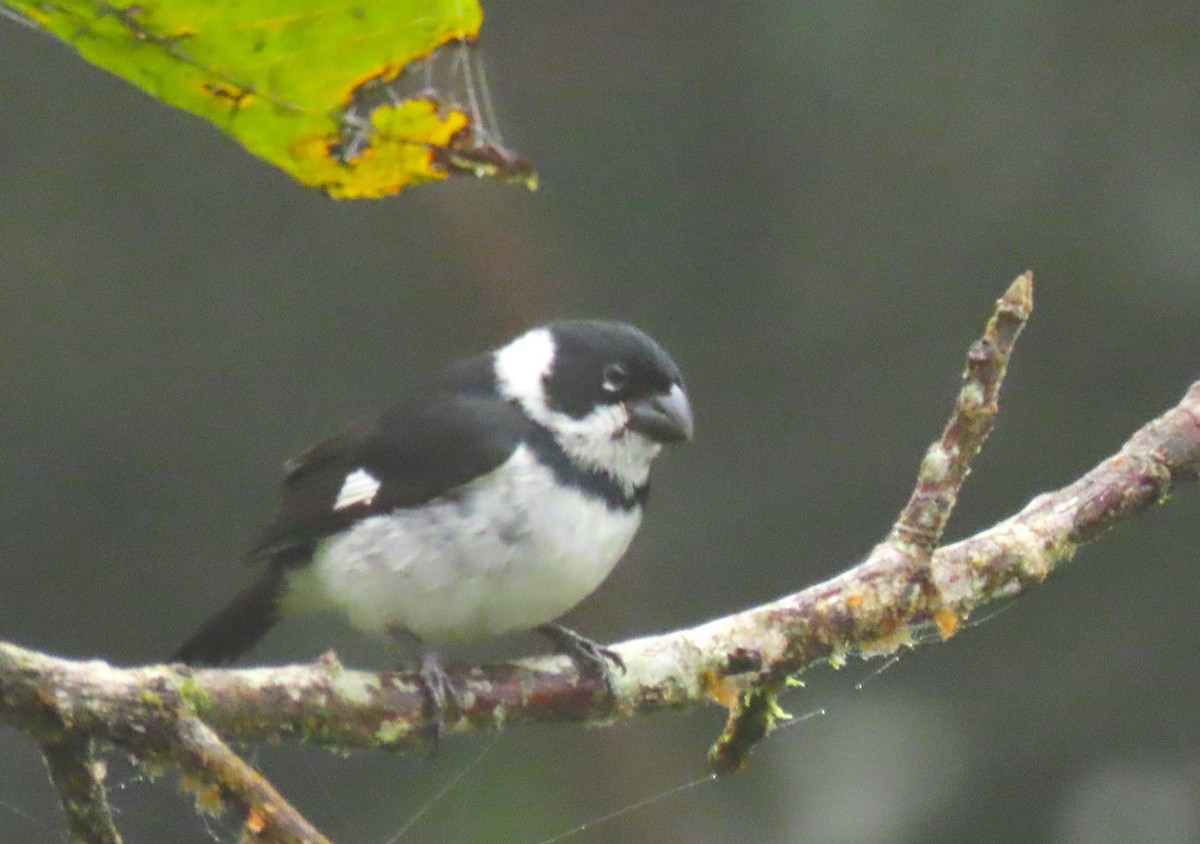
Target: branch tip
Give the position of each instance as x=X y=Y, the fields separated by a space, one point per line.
x=1019 y=295
x=751 y=718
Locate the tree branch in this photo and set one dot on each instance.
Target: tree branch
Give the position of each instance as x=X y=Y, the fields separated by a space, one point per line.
x=69 y=706
x=163 y=714
x=907 y=553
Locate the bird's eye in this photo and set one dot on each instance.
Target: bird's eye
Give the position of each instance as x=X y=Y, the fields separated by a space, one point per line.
x=615 y=377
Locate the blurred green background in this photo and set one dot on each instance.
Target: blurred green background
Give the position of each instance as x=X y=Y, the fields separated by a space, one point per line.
x=813 y=207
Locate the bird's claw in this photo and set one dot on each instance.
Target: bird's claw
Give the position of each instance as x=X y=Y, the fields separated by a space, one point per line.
x=590 y=658
x=438 y=691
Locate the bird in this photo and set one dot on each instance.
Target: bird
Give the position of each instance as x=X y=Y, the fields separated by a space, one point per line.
x=492 y=499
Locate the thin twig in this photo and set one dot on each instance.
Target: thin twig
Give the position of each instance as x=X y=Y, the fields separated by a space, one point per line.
x=79 y=777
x=948 y=461
x=214 y=772
x=907 y=552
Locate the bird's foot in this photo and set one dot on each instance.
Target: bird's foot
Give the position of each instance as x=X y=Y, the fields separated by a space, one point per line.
x=590 y=658
x=438 y=691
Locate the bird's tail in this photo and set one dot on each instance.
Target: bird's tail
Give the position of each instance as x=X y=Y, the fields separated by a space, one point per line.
x=236 y=629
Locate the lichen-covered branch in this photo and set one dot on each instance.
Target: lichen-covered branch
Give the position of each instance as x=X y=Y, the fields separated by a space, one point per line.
x=907 y=552
x=71 y=707
x=222 y=779
x=948 y=461
x=172 y=715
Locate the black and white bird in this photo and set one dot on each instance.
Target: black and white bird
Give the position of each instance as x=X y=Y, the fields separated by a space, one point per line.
x=493 y=499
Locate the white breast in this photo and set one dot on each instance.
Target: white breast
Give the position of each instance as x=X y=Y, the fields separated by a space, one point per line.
x=512 y=551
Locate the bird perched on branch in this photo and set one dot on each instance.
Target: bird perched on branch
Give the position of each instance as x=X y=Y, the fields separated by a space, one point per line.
x=493 y=499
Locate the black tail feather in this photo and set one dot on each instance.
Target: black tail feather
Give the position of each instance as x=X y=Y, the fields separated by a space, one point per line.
x=238 y=627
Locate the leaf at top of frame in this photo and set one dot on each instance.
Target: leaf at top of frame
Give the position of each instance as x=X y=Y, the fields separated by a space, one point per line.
x=360 y=98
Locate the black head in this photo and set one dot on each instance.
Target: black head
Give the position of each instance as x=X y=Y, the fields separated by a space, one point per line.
x=608 y=395
x=603 y=363
x=578 y=368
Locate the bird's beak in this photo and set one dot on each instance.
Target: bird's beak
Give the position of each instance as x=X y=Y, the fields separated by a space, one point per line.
x=664 y=418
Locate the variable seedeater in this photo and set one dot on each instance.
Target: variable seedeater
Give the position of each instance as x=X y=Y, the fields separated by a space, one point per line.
x=493 y=499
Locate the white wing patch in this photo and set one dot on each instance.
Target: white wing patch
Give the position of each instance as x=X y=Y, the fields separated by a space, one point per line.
x=516 y=549
x=359 y=487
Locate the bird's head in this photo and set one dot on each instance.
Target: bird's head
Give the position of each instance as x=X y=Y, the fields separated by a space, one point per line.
x=607 y=392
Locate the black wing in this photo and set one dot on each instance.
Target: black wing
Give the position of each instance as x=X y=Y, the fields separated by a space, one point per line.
x=449 y=434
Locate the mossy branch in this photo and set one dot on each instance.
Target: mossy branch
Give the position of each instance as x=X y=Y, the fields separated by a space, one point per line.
x=174 y=717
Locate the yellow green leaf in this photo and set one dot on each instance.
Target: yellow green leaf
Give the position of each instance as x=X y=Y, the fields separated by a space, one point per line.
x=360 y=98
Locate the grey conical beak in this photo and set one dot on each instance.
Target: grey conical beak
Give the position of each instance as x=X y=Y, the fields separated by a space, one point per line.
x=664 y=418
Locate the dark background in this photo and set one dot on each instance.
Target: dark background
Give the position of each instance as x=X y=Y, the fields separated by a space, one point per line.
x=813 y=207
